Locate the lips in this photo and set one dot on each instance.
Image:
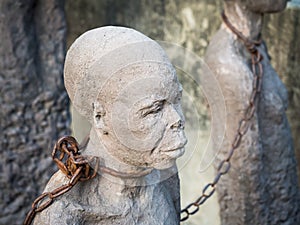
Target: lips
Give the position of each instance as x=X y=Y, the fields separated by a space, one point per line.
x=176 y=147
x=176 y=153
x=180 y=144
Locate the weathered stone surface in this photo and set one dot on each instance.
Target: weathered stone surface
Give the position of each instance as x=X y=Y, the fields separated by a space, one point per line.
x=34 y=105
x=281 y=32
x=261 y=187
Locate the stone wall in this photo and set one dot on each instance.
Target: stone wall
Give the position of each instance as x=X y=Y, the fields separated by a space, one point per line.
x=34 y=105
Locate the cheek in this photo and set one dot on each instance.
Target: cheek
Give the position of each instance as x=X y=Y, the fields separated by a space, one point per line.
x=149 y=130
x=135 y=132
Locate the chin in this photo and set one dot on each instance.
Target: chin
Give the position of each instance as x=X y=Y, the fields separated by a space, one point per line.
x=168 y=158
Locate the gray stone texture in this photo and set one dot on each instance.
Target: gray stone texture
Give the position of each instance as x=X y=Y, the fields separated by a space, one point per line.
x=34 y=104
x=281 y=33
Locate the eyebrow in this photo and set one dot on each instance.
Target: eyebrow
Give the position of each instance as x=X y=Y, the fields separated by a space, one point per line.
x=150 y=104
x=146 y=109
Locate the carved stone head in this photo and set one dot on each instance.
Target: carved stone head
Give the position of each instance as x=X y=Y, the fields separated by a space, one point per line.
x=123 y=83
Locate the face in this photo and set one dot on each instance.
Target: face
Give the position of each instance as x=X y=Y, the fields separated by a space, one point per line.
x=266 y=6
x=145 y=119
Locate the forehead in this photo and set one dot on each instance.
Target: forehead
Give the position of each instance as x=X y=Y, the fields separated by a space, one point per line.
x=160 y=83
x=140 y=80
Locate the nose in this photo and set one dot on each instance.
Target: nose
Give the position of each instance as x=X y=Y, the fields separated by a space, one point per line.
x=175 y=119
x=178 y=125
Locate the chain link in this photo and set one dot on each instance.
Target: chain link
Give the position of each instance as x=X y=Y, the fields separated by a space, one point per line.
x=225 y=164
x=68 y=159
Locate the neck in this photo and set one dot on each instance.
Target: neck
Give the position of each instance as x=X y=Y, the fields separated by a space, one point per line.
x=123 y=173
x=247 y=22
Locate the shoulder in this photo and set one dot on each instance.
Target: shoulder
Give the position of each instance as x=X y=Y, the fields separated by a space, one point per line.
x=57 y=180
x=227 y=58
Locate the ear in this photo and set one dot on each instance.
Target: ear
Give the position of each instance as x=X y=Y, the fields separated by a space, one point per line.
x=98 y=117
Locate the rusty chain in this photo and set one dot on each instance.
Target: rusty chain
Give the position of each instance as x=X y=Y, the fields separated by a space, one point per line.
x=76 y=167
x=244 y=123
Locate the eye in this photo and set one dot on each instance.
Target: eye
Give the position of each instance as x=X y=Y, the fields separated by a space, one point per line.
x=155 y=108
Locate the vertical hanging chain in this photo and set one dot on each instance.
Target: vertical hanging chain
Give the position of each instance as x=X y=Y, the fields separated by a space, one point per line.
x=244 y=123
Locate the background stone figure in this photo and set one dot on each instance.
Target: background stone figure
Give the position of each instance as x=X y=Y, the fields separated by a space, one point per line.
x=123 y=83
x=34 y=105
x=261 y=187
x=281 y=32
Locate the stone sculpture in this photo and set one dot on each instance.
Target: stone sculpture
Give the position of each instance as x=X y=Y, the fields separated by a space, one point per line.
x=261 y=187
x=123 y=83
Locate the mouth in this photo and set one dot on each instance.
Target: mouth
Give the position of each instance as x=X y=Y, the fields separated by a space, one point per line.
x=179 y=145
x=175 y=153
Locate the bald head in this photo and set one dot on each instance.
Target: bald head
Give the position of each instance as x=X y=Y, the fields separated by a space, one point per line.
x=98 y=54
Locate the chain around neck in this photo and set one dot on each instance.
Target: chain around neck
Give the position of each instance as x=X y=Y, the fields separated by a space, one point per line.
x=115 y=173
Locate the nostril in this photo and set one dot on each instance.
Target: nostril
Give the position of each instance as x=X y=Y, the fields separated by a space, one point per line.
x=178 y=125
x=174 y=126
x=182 y=124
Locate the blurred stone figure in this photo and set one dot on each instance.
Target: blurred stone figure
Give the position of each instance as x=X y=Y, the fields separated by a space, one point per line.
x=123 y=83
x=261 y=187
